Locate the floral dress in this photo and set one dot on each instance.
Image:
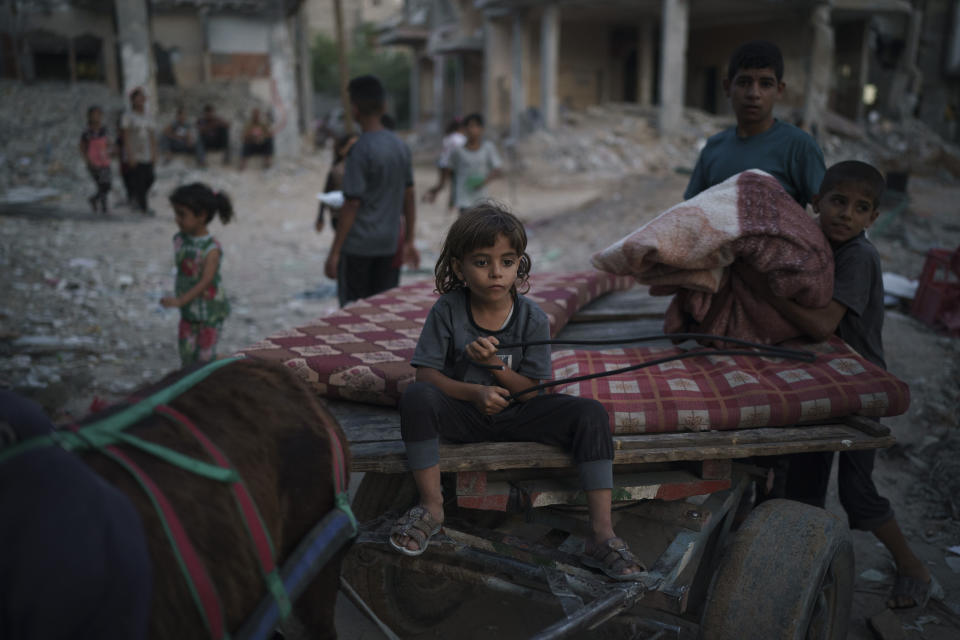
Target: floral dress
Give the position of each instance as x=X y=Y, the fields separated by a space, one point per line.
x=202 y=318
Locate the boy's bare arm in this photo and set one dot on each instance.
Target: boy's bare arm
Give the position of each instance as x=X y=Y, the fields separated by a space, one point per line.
x=819 y=324
x=431 y=193
x=493 y=175
x=410 y=254
x=348 y=213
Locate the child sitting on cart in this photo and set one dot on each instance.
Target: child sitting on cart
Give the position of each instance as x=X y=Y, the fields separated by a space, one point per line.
x=465 y=384
x=847 y=205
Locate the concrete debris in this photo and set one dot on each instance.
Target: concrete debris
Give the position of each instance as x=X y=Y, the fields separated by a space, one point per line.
x=40 y=127
x=612 y=141
x=873 y=575
x=953 y=563
x=52 y=344
x=886 y=626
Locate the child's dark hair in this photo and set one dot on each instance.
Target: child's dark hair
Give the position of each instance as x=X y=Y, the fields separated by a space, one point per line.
x=368 y=94
x=453 y=126
x=92 y=108
x=756 y=54
x=200 y=198
x=475 y=228
x=854 y=172
x=473 y=117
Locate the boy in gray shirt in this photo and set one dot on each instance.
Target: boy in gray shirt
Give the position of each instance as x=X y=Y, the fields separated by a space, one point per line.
x=471 y=167
x=378 y=188
x=754 y=83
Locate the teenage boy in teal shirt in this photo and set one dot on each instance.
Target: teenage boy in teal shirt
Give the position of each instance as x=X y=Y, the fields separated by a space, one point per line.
x=754 y=83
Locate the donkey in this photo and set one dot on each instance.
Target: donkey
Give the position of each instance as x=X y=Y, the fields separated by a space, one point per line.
x=107 y=569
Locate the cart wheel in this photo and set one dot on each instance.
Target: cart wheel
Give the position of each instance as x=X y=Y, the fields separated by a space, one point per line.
x=787 y=575
x=409 y=602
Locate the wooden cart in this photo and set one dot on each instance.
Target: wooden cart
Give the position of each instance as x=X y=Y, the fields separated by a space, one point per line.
x=515 y=521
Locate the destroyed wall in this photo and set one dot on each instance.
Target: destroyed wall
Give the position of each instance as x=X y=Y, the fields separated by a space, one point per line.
x=63 y=43
x=709 y=49
x=939 y=64
x=40 y=127
x=181 y=36
x=239 y=47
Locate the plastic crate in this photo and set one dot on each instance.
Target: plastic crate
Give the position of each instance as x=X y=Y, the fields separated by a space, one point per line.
x=937 y=301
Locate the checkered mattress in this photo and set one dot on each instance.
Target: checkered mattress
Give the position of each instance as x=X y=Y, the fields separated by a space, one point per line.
x=362 y=353
x=731 y=392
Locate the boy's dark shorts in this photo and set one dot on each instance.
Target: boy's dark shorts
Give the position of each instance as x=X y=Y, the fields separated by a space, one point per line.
x=809 y=477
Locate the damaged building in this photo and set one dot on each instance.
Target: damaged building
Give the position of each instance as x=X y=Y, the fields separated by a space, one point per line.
x=521 y=62
x=259 y=45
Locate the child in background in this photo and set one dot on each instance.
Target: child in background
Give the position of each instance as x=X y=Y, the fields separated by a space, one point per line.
x=464 y=381
x=453 y=139
x=335 y=177
x=847 y=204
x=199 y=294
x=95 y=147
x=471 y=168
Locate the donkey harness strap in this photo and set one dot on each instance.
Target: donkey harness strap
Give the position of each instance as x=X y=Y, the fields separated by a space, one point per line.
x=104 y=434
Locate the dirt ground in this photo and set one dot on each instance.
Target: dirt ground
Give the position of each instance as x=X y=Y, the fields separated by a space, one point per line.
x=80 y=317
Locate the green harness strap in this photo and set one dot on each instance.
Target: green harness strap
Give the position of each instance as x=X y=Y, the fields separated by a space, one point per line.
x=109 y=431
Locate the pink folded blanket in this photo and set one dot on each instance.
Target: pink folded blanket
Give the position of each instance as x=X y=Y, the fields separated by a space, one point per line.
x=687 y=250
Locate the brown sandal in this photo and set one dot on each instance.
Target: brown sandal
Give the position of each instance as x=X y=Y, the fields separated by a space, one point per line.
x=416 y=523
x=612 y=557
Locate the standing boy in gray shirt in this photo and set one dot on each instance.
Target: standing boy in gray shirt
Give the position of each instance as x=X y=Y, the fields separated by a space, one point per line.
x=378 y=188
x=754 y=84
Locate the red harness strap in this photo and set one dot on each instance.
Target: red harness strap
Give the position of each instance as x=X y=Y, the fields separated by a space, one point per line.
x=204 y=592
x=247 y=506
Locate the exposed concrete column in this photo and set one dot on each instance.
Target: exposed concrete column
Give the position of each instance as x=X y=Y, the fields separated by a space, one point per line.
x=549 y=54
x=108 y=55
x=414 y=88
x=72 y=59
x=205 y=46
x=819 y=71
x=439 y=63
x=458 y=85
x=865 y=55
x=136 y=49
x=517 y=84
x=489 y=77
x=305 y=81
x=286 y=137
x=646 y=34
x=673 y=64
x=905 y=87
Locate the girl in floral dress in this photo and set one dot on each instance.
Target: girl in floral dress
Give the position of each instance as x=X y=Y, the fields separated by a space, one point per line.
x=199 y=295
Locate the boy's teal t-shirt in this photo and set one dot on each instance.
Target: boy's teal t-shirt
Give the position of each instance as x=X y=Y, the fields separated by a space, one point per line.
x=784 y=151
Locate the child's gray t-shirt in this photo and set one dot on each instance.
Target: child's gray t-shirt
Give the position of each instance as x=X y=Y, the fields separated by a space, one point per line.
x=858 y=285
x=470 y=168
x=787 y=153
x=377 y=172
x=450 y=327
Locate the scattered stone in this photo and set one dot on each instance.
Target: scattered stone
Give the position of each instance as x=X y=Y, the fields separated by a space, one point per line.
x=38 y=344
x=873 y=575
x=953 y=563
x=886 y=626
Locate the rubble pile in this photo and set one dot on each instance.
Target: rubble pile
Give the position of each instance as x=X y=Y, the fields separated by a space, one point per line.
x=612 y=141
x=40 y=127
